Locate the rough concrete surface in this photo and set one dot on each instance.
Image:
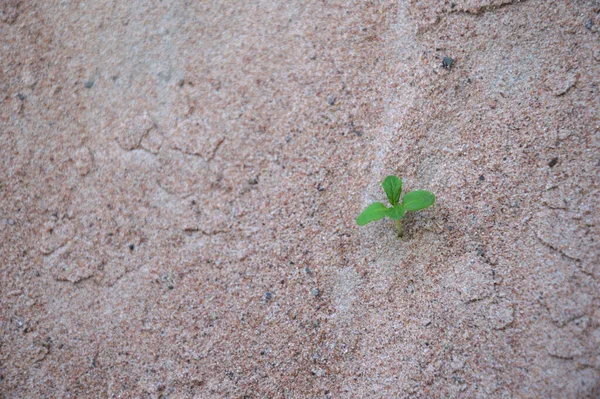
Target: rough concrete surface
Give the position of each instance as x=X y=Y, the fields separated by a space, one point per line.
x=179 y=183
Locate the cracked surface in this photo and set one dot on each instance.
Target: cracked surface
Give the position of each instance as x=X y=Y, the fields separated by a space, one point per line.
x=179 y=183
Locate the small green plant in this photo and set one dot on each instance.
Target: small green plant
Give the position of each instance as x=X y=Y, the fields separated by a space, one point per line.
x=413 y=201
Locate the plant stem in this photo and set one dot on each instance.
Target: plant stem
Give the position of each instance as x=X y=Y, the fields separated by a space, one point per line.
x=399 y=227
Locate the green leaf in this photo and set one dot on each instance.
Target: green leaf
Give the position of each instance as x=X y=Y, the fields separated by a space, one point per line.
x=396 y=212
x=372 y=213
x=416 y=200
x=393 y=187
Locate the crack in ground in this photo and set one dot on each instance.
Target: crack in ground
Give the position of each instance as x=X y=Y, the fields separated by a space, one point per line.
x=474 y=12
x=192 y=230
x=199 y=155
x=478 y=11
x=560 y=251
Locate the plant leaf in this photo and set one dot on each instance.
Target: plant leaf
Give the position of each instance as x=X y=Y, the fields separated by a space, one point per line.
x=396 y=212
x=416 y=200
x=372 y=213
x=393 y=187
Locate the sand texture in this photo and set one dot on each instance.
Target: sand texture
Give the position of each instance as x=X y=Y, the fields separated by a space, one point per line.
x=180 y=180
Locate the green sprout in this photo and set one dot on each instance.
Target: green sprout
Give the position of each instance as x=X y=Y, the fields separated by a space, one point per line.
x=413 y=201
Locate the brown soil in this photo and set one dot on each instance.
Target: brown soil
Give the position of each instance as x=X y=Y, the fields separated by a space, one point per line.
x=179 y=183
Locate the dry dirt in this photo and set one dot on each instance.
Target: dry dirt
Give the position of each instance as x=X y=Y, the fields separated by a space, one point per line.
x=179 y=182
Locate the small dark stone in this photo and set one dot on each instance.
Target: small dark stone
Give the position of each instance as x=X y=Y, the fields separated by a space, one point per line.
x=481 y=178
x=450 y=228
x=358 y=133
x=89 y=84
x=268 y=296
x=589 y=24
x=263 y=352
x=315 y=292
x=553 y=162
x=307 y=270
x=21 y=96
x=331 y=100
x=181 y=82
x=288 y=138
x=447 y=62
x=253 y=182
x=170 y=287
x=131 y=247
x=452 y=5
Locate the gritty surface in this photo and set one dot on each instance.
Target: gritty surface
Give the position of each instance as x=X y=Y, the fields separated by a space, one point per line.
x=179 y=183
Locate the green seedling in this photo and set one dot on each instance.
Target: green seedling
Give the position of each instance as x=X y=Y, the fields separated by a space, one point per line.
x=413 y=201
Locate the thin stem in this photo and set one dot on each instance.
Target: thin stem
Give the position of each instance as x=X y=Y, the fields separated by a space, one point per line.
x=399 y=227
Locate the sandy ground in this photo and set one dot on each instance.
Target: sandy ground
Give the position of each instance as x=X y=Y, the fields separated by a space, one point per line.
x=179 y=183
